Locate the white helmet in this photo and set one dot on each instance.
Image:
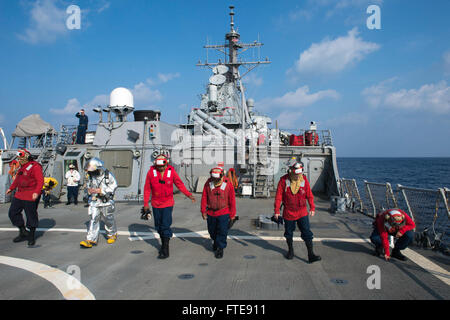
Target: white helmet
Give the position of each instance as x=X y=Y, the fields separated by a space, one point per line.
x=95 y=167
x=296 y=168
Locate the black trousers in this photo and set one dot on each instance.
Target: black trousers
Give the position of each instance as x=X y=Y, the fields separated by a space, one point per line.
x=30 y=207
x=46 y=198
x=72 y=194
x=81 y=134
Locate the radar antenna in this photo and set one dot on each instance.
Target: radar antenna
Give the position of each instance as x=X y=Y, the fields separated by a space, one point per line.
x=231 y=51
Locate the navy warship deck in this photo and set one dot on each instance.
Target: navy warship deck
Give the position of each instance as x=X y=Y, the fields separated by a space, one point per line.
x=253 y=266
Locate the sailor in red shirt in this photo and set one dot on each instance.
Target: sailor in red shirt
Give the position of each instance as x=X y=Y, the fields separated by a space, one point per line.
x=293 y=191
x=218 y=208
x=159 y=184
x=28 y=185
x=396 y=223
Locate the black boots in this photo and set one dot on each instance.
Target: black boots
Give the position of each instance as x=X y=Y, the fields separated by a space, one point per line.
x=378 y=251
x=31 y=240
x=311 y=256
x=23 y=235
x=219 y=253
x=290 y=253
x=26 y=235
x=398 y=255
x=164 y=251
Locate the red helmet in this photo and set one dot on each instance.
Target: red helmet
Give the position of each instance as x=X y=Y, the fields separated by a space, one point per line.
x=23 y=153
x=216 y=172
x=395 y=217
x=161 y=160
x=297 y=168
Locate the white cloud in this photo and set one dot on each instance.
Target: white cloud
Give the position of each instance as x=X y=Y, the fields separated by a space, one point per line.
x=429 y=97
x=103 y=6
x=332 y=7
x=356 y=3
x=101 y=99
x=48 y=22
x=288 y=119
x=72 y=107
x=144 y=95
x=162 y=78
x=253 y=80
x=166 y=77
x=374 y=94
x=301 y=14
x=332 y=56
x=298 y=98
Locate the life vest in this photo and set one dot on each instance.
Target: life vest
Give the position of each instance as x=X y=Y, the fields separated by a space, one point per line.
x=25 y=181
x=231 y=176
x=217 y=196
x=14 y=167
x=293 y=202
x=162 y=187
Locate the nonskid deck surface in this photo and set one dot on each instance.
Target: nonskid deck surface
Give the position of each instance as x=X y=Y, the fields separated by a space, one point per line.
x=253 y=266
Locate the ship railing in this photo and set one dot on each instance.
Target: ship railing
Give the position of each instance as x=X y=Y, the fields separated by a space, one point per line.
x=430 y=211
x=381 y=196
x=325 y=138
x=429 y=208
x=355 y=202
x=68 y=133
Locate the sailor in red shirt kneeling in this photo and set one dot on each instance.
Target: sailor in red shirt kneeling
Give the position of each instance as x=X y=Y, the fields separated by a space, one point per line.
x=218 y=208
x=28 y=185
x=159 y=185
x=293 y=191
x=396 y=223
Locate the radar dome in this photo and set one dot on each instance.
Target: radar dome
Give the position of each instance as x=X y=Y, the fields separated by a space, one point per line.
x=121 y=97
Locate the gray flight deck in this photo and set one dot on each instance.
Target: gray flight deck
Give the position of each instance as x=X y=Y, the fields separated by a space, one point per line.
x=253 y=266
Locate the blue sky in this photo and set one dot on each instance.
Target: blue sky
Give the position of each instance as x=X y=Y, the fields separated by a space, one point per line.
x=382 y=92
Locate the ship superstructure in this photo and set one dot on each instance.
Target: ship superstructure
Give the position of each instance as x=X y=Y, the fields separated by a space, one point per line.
x=223 y=129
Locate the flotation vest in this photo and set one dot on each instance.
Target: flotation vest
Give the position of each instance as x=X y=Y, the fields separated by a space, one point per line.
x=162 y=188
x=217 y=196
x=293 y=202
x=231 y=175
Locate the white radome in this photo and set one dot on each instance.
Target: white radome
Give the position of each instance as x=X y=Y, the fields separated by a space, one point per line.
x=121 y=97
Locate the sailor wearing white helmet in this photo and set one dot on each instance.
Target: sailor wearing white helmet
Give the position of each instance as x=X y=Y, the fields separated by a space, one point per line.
x=294 y=192
x=101 y=186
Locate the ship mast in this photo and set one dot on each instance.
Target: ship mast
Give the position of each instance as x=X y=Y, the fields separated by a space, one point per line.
x=231 y=50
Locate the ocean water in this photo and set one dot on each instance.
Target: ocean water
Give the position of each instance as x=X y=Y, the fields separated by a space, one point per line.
x=425 y=173
x=428 y=173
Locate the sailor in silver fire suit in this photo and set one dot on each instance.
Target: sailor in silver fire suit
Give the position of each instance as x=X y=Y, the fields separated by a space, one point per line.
x=101 y=185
